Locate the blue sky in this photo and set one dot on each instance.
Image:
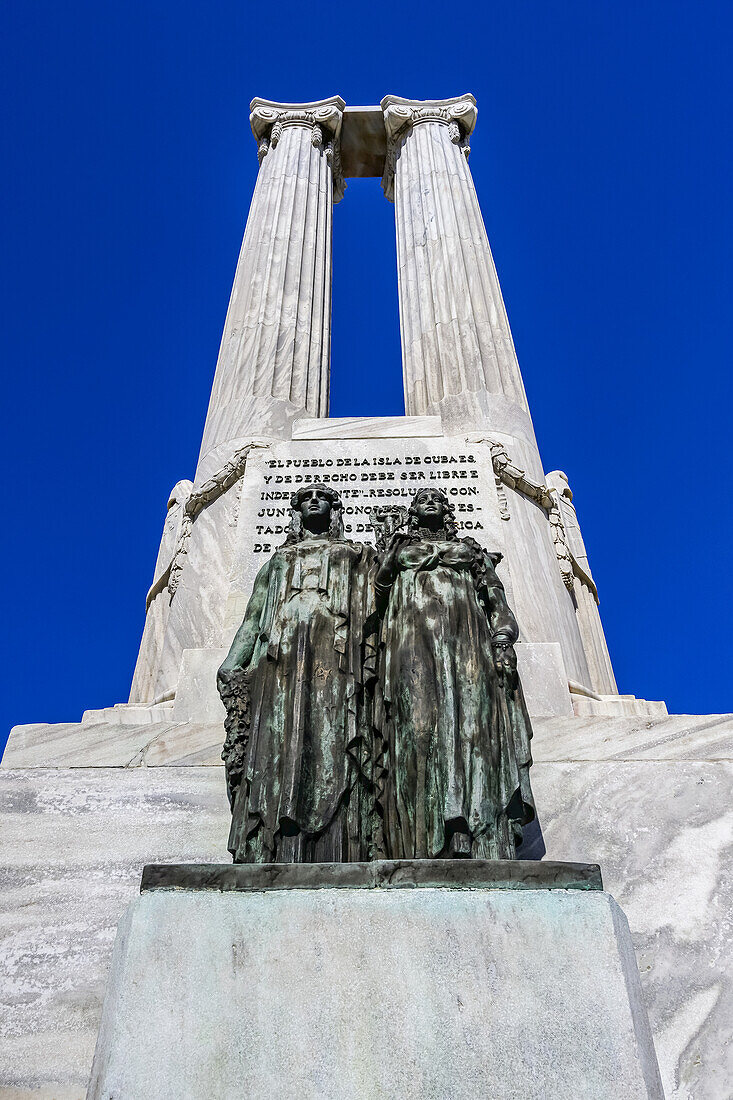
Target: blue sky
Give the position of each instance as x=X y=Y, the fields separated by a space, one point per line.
x=602 y=162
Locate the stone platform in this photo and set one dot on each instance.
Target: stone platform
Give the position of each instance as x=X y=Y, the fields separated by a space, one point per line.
x=648 y=799
x=427 y=980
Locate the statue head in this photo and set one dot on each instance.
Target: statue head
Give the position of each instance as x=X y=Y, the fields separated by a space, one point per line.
x=315 y=509
x=431 y=509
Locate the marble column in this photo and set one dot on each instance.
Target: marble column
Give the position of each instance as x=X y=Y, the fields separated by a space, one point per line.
x=457 y=350
x=273 y=362
x=458 y=356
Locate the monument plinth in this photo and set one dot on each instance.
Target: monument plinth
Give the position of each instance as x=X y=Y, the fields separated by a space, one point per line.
x=412 y=981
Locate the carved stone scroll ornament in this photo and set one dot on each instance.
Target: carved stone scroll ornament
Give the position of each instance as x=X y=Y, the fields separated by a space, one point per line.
x=400 y=115
x=509 y=474
x=268 y=120
x=210 y=491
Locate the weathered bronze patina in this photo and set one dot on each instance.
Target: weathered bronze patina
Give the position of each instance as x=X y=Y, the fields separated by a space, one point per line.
x=456 y=781
x=339 y=749
x=297 y=728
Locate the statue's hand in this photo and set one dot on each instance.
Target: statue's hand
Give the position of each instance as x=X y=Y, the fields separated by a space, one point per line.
x=228 y=679
x=225 y=675
x=399 y=538
x=505 y=659
x=388 y=561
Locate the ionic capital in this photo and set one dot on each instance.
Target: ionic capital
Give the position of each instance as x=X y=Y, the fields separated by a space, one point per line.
x=323 y=118
x=400 y=115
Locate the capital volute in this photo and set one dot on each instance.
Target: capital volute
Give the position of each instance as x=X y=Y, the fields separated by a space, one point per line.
x=401 y=115
x=323 y=118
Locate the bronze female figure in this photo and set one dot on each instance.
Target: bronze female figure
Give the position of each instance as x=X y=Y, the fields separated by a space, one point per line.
x=456 y=727
x=292 y=684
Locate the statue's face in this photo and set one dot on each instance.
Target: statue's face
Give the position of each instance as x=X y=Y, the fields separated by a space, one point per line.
x=314 y=504
x=429 y=506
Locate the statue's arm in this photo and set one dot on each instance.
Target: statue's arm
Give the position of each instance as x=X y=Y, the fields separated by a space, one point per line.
x=502 y=624
x=387 y=570
x=501 y=618
x=242 y=648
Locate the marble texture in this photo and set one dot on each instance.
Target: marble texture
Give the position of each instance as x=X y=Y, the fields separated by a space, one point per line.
x=161 y=742
x=649 y=799
x=198 y=608
x=113 y=744
x=614 y=706
x=197 y=699
x=157 y=604
x=274 y=358
x=663 y=834
x=670 y=738
x=544 y=680
x=543 y=606
x=73 y=846
x=602 y=679
x=333 y=993
x=367 y=427
x=455 y=333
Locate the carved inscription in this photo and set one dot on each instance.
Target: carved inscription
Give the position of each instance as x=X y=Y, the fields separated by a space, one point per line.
x=363 y=482
x=368 y=474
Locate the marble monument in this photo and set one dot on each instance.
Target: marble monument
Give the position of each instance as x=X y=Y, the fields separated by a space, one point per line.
x=617 y=781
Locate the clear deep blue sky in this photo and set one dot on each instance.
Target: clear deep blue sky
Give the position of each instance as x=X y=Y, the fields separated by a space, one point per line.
x=602 y=162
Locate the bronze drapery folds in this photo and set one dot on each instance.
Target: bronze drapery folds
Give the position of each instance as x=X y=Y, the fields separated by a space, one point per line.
x=456 y=730
x=292 y=683
x=342 y=749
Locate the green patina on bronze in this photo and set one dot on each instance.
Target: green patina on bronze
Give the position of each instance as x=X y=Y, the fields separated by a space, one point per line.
x=298 y=728
x=373 y=703
x=457 y=734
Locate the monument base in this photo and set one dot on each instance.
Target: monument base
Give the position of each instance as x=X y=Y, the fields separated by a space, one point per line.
x=430 y=979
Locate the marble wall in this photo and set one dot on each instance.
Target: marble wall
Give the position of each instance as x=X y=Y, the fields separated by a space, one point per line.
x=648 y=799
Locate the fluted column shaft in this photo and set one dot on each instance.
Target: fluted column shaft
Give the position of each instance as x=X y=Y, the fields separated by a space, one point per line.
x=457 y=349
x=274 y=358
x=273 y=362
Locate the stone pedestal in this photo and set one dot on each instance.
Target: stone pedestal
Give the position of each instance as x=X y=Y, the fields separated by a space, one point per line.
x=413 y=980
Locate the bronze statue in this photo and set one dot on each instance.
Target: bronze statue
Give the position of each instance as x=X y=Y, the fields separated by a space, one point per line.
x=455 y=726
x=292 y=685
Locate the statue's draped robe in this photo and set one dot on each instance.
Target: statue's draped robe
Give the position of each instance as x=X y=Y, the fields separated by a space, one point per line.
x=302 y=798
x=457 y=741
